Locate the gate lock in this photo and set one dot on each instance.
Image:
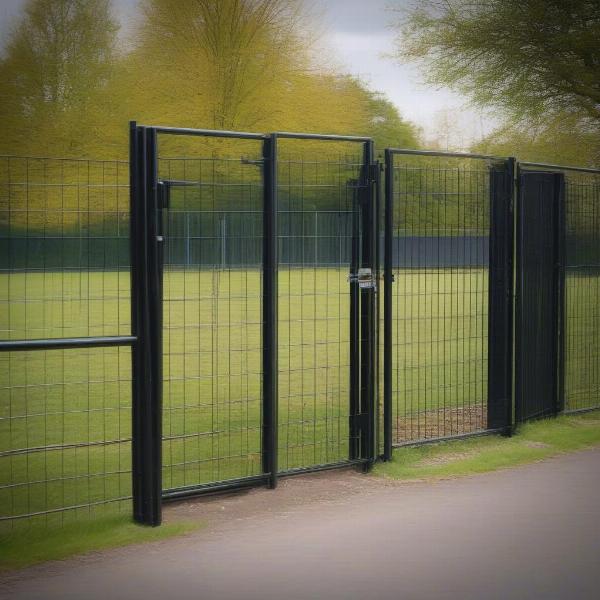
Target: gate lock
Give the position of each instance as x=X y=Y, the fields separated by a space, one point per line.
x=364 y=277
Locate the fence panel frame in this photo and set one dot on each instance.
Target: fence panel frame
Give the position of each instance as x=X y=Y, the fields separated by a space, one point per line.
x=502 y=191
x=363 y=307
x=42 y=344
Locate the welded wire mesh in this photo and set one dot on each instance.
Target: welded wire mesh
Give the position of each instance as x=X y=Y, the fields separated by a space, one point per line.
x=440 y=296
x=64 y=272
x=212 y=316
x=318 y=189
x=582 y=291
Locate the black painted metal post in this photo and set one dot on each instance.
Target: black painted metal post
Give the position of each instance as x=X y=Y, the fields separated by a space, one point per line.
x=560 y=287
x=270 y=301
x=500 y=325
x=538 y=318
x=354 y=426
x=146 y=316
x=367 y=308
x=378 y=396
x=388 y=279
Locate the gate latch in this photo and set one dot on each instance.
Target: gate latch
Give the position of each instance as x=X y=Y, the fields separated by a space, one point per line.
x=364 y=277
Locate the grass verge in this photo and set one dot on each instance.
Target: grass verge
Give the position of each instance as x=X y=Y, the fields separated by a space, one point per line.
x=533 y=442
x=28 y=547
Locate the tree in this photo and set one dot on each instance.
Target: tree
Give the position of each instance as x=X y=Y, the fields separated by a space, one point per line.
x=562 y=139
x=528 y=57
x=58 y=56
x=222 y=57
x=246 y=65
x=385 y=123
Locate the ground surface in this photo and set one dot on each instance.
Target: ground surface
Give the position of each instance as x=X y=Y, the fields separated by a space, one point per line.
x=530 y=532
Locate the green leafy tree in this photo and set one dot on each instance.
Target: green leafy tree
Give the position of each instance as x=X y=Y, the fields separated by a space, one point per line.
x=57 y=58
x=538 y=61
x=528 y=56
x=561 y=139
x=222 y=60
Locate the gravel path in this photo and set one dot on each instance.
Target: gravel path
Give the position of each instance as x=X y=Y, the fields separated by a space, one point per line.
x=529 y=532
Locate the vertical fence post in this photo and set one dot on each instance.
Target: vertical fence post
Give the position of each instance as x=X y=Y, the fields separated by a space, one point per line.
x=355 y=373
x=270 y=301
x=146 y=318
x=500 y=339
x=388 y=279
x=367 y=308
x=560 y=287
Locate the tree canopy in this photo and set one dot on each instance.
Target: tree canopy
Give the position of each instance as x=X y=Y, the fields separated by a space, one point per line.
x=57 y=58
x=69 y=85
x=528 y=56
x=536 y=61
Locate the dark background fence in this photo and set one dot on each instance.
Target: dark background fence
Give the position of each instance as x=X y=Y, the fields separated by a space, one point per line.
x=230 y=239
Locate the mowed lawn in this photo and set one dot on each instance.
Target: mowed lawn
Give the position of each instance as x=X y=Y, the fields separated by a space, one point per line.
x=79 y=401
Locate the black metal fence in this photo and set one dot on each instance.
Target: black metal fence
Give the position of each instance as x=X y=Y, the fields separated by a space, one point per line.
x=582 y=290
x=209 y=318
x=65 y=365
x=439 y=306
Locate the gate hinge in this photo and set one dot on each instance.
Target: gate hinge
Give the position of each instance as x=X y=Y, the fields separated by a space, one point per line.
x=163 y=193
x=364 y=277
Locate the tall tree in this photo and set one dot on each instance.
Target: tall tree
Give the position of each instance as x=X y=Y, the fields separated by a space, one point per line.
x=222 y=57
x=57 y=57
x=527 y=56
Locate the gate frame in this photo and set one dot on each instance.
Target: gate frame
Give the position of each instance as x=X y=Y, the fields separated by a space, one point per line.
x=363 y=351
x=148 y=197
x=500 y=268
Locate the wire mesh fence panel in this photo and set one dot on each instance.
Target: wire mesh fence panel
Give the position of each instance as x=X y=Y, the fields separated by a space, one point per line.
x=65 y=432
x=440 y=295
x=64 y=248
x=64 y=273
x=582 y=291
x=318 y=186
x=212 y=312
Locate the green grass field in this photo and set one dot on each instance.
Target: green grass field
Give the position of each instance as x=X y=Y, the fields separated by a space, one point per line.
x=57 y=543
x=79 y=401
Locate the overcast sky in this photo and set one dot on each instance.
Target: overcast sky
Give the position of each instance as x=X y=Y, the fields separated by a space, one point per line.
x=359 y=33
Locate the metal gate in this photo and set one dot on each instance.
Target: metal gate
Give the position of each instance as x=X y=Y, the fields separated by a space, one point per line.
x=250 y=368
x=447 y=301
x=539 y=344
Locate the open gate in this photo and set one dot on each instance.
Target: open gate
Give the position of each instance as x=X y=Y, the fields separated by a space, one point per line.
x=447 y=323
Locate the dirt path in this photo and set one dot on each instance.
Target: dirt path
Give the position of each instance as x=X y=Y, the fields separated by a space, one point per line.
x=531 y=532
